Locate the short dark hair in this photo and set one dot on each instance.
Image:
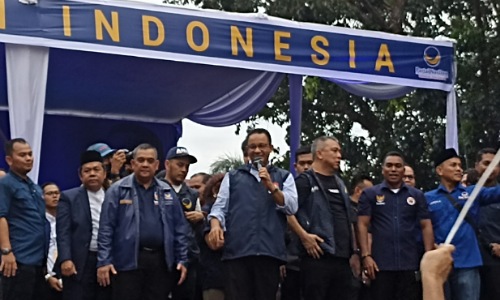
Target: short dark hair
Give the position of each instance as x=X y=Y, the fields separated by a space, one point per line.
x=302 y=150
x=47 y=184
x=208 y=196
x=144 y=146
x=205 y=176
x=394 y=153
x=472 y=176
x=9 y=145
x=259 y=131
x=244 y=146
x=483 y=151
x=358 y=180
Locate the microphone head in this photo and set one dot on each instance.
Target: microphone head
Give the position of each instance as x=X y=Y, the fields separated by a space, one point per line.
x=257 y=162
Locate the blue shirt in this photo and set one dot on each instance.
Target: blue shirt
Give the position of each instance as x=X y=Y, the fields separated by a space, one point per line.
x=443 y=216
x=395 y=222
x=150 y=225
x=22 y=204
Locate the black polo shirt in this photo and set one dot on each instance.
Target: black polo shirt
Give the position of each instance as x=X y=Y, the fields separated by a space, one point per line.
x=395 y=225
x=150 y=224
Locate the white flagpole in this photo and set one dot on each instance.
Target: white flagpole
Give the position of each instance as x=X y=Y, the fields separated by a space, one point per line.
x=472 y=197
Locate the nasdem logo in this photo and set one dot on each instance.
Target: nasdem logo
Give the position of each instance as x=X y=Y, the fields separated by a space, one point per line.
x=432 y=56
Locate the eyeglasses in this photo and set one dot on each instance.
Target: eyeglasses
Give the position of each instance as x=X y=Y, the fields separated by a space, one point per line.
x=260 y=146
x=52 y=193
x=408 y=177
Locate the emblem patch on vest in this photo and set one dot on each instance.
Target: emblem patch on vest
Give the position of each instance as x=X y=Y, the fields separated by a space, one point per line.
x=380 y=199
x=411 y=201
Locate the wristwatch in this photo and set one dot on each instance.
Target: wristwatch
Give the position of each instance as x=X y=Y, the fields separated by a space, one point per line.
x=5 y=251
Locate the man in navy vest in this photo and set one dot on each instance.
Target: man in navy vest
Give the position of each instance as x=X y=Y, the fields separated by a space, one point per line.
x=249 y=220
x=177 y=165
x=324 y=225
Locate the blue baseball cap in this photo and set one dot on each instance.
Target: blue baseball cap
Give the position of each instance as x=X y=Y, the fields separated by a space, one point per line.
x=102 y=148
x=178 y=152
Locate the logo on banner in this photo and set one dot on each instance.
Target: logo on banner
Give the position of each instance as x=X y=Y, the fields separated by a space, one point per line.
x=432 y=56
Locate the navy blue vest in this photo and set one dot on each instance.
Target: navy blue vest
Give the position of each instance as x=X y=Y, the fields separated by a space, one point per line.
x=315 y=215
x=254 y=226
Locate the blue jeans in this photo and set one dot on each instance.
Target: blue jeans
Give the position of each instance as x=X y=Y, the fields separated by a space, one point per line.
x=465 y=284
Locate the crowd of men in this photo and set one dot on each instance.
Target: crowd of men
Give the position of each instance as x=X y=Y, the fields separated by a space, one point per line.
x=257 y=232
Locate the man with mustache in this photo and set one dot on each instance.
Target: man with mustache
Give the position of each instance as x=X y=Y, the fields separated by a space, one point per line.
x=248 y=219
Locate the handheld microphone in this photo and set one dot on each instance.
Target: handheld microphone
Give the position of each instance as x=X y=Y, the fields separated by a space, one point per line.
x=257 y=162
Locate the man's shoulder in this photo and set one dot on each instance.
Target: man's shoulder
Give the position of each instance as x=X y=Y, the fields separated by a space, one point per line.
x=378 y=188
x=10 y=180
x=414 y=191
x=163 y=184
x=74 y=192
x=6 y=181
x=431 y=193
x=189 y=190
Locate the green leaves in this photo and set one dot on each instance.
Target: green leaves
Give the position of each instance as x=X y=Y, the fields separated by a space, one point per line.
x=414 y=124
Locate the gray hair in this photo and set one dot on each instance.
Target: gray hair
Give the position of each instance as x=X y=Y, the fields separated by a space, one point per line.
x=144 y=146
x=319 y=143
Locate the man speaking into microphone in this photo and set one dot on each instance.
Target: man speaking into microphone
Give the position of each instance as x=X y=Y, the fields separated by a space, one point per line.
x=248 y=220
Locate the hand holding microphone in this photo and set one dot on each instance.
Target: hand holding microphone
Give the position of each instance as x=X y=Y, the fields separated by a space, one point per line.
x=263 y=173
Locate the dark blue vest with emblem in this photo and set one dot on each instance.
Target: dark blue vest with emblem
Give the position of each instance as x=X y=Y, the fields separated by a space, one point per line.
x=254 y=226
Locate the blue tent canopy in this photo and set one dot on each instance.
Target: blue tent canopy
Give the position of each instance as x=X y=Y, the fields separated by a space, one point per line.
x=78 y=72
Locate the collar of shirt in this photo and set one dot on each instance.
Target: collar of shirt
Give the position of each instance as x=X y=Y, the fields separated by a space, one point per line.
x=459 y=187
x=385 y=186
x=50 y=218
x=177 y=188
x=139 y=185
x=19 y=178
x=99 y=194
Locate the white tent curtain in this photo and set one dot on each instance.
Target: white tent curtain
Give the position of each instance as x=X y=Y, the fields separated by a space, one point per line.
x=27 y=68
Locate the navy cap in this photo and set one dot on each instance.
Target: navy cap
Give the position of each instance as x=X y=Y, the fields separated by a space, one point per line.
x=178 y=152
x=445 y=155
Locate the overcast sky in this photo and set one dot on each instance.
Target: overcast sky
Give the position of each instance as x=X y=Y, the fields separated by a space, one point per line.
x=209 y=143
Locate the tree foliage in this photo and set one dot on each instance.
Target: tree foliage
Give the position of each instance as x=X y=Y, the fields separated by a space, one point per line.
x=225 y=163
x=413 y=124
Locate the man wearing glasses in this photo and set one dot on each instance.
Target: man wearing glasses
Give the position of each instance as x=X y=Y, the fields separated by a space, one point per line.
x=249 y=220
